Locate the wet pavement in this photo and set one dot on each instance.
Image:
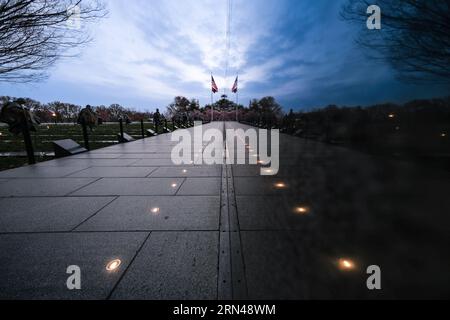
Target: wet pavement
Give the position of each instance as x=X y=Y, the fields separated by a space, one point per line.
x=224 y=231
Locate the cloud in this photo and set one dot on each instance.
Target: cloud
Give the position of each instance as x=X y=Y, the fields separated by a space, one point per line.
x=162 y=48
x=147 y=52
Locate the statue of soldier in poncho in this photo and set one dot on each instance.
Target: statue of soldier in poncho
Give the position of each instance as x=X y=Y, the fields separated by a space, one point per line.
x=17 y=116
x=88 y=117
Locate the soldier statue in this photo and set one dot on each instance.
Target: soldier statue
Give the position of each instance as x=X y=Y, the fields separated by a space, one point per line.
x=157 y=120
x=17 y=116
x=88 y=117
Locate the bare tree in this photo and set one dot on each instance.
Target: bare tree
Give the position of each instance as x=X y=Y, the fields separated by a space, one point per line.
x=179 y=106
x=116 y=111
x=34 y=34
x=414 y=38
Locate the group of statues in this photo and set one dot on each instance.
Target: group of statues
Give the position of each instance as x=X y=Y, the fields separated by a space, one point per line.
x=19 y=117
x=179 y=120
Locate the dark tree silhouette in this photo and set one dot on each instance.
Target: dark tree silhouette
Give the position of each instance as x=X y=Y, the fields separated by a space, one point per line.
x=414 y=38
x=34 y=34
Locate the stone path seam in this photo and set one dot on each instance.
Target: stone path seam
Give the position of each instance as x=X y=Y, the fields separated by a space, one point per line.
x=93 y=215
x=128 y=267
x=87 y=185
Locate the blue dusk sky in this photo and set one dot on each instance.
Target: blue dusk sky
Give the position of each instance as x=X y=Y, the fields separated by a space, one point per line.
x=146 y=52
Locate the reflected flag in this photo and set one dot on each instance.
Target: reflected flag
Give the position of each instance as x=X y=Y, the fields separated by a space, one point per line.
x=235 y=86
x=214 y=86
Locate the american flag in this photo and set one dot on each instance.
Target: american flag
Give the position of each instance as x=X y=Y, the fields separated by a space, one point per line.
x=214 y=86
x=235 y=86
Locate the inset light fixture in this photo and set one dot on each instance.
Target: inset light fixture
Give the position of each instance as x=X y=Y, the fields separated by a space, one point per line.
x=346 y=264
x=302 y=210
x=113 y=265
x=280 y=185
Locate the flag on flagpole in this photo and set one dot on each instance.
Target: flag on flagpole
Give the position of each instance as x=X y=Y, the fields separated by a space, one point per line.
x=235 y=86
x=214 y=86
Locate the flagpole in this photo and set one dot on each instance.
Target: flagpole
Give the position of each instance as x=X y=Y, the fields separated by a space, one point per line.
x=212 y=106
x=237 y=106
x=212 y=98
x=237 y=98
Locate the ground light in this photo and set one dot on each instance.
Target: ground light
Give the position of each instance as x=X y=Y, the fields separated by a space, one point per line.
x=346 y=264
x=302 y=210
x=113 y=265
x=155 y=210
x=174 y=185
x=280 y=185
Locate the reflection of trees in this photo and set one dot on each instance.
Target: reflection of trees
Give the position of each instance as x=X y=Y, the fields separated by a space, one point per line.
x=419 y=127
x=415 y=35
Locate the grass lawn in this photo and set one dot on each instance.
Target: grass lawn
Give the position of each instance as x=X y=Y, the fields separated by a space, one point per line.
x=102 y=136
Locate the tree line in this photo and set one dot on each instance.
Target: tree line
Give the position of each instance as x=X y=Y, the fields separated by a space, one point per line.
x=63 y=112
x=181 y=109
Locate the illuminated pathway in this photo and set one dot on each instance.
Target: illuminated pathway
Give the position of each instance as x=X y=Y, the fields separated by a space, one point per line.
x=140 y=227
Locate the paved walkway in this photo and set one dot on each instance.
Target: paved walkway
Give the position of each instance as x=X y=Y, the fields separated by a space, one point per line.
x=222 y=232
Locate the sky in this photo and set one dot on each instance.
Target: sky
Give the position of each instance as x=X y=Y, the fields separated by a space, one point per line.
x=147 y=52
